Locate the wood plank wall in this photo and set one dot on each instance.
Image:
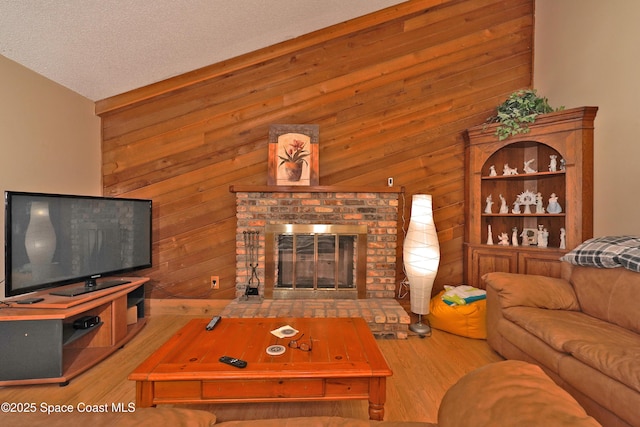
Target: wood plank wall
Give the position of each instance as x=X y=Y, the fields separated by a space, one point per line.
x=392 y=93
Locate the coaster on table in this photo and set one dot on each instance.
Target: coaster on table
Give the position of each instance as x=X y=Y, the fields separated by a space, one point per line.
x=276 y=350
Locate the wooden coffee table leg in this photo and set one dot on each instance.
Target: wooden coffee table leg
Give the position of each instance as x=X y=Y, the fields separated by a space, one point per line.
x=144 y=394
x=377 y=397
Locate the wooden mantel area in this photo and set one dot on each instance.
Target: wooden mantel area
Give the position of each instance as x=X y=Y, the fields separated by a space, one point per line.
x=392 y=93
x=311 y=189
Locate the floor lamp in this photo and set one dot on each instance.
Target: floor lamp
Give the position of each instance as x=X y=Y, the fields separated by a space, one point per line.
x=421 y=255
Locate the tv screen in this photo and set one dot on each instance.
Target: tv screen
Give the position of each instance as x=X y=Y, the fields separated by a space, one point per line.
x=55 y=239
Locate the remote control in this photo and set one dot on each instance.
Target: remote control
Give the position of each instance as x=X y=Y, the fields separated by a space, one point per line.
x=233 y=362
x=29 y=300
x=213 y=323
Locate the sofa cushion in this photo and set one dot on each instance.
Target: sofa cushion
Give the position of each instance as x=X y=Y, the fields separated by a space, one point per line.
x=163 y=416
x=605 y=347
x=532 y=291
x=610 y=295
x=601 y=252
x=322 y=422
x=509 y=393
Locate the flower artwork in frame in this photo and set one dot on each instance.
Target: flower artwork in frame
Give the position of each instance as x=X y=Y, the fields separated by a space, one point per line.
x=293 y=155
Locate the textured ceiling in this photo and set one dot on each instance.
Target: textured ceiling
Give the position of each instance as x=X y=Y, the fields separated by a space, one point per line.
x=101 y=48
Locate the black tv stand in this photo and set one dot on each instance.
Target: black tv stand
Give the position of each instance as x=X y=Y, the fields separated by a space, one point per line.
x=90 y=286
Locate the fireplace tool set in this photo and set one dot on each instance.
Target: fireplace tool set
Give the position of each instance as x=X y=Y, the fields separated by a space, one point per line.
x=252 y=244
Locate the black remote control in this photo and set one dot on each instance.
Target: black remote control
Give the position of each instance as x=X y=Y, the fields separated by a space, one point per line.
x=213 y=323
x=29 y=300
x=233 y=362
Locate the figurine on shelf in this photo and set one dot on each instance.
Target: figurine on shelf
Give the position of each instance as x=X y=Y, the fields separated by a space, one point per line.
x=492 y=170
x=525 y=236
x=563 y=238
x=528 y=168
x=489 y=201
x=516 y=206
x=506 y=170
x=489 y=235
x=563 y=165
x=543 y=237
x=553 y=163
x=554 y=207
x=527 y=198
x=504 y=209
x=539 y=207
x=514 y=236
x=504 y=239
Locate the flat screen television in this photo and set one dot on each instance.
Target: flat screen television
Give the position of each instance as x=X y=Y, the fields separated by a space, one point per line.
x=54 y=239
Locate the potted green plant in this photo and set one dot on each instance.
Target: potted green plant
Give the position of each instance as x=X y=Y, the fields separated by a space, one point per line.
x=518 y=111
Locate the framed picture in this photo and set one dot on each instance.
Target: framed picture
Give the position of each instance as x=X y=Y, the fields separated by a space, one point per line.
x=293 y=155
x=529 y=237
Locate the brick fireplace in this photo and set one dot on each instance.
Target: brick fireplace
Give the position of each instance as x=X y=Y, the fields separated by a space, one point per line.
x=377 y=209
x=261 y=209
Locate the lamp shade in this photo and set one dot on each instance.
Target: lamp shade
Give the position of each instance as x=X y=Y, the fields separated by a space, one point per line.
x=421 y=253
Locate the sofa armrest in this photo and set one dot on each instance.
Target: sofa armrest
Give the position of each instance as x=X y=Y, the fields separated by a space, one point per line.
x=531 y=291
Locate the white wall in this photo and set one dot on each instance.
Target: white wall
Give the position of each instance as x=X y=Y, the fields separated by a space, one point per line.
x=49 y=138
x=587 y=52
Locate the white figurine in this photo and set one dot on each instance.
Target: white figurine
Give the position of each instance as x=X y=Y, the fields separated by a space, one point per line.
x=526 y=198
x=525 y=238
x=516 y=207
x=503 y=205
x=563 y=164
x=553 y=163
x=554 y=207
x=543 y=237
x=506 y=170
x=504 y=239
x=489 y=201
x=539 y=207
x=492 y=170
x=489 y=235
x=563 y=240
x=527 y=166
x=514 y=236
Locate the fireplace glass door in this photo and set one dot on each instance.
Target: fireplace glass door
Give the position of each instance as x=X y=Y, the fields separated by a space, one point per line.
x=317 y=261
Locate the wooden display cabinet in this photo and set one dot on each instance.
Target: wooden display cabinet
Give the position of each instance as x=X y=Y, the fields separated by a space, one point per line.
x=567 y=134
x=41 y=345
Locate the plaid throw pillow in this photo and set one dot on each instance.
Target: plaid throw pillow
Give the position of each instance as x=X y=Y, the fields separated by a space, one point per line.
x=630 y=259
x=606 y=252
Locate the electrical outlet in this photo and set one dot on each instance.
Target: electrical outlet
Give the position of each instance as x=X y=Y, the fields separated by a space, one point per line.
x=215 y=282
x=390 y=182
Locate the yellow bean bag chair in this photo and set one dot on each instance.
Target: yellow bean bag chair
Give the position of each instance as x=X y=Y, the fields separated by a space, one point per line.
x=469 y=320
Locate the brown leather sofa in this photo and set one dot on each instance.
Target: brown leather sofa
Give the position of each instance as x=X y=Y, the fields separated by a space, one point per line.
x=507 y=394
x=583 y=329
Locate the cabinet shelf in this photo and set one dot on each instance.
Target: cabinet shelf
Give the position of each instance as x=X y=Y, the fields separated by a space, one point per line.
x=524 y=176
x=70 y=334
x=507 y=215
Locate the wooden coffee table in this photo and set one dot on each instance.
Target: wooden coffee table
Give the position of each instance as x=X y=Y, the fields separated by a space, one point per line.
x=344 y=363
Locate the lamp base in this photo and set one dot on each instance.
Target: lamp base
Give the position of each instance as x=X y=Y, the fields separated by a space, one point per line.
x=422 y=329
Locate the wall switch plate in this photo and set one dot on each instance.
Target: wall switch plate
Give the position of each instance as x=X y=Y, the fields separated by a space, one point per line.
x=390 y=182
x=215 y=282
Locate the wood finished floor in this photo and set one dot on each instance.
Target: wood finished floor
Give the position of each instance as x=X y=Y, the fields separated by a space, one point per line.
x=424 y=368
